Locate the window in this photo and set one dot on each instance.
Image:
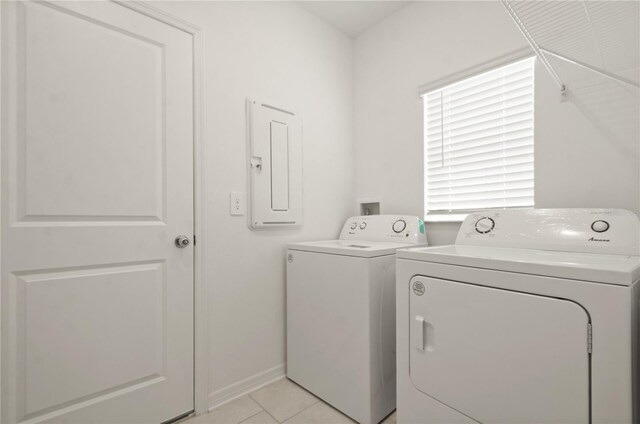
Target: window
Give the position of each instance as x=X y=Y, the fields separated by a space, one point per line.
x=479 y=142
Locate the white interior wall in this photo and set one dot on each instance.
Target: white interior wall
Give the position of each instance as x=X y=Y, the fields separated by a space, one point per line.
x=575 y=164
x=278 y=53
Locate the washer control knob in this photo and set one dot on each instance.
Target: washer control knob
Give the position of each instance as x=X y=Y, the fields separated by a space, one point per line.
x=485 y=225
x=600 y=226
x=399 y=226
x=363 y=225
x=354 y=225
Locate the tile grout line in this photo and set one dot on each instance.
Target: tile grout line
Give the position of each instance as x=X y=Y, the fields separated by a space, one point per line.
x=261 y=406
x=257 y=413
x=269 y=414
x=318 y=400
x=255 y=400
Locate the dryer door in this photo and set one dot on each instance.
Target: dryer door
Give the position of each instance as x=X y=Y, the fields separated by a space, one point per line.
x=499 y=356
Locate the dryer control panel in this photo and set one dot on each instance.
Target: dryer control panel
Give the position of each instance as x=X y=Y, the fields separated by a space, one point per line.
x=608 y=231
x=390 y=228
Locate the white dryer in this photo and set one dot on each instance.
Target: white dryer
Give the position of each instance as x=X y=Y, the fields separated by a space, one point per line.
x=531 y=317
x=341 y=314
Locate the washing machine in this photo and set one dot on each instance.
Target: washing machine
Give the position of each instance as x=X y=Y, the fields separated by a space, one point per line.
x=531 y=317
x=341 y=314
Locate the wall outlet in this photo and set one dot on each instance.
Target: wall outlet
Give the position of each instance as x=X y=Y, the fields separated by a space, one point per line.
x=236 y=203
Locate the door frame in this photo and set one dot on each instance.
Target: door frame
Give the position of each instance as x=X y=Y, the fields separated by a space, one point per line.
x=200 y=364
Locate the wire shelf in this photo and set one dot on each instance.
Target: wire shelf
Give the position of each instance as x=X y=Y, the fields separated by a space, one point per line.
x=603 y=35
x=592 y=51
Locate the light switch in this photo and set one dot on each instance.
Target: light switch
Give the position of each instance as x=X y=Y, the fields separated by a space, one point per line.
x=236 y=203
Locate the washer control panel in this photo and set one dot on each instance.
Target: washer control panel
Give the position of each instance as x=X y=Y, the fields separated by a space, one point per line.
x=608 y=231
x=389 y=228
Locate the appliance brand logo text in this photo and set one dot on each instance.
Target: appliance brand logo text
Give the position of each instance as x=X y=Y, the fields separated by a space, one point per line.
x=595 y=239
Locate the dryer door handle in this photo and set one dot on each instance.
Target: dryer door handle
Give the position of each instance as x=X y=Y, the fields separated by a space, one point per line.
x=418 y=332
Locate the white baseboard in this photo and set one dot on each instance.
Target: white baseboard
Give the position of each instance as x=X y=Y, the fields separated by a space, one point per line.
x=245 y=386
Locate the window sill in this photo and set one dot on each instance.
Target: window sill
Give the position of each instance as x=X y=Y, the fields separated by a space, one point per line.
x=454 y=217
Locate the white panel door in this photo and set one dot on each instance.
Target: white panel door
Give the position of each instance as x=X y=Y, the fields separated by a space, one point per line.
x=499 y=356
x=97 y=182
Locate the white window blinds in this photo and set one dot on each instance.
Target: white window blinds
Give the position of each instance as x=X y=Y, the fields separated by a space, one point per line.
x=479 y=141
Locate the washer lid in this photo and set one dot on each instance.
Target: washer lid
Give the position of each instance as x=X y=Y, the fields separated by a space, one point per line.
x=610 y=269
x=364 y=249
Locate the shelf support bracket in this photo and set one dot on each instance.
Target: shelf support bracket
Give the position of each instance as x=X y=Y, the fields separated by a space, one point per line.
x=564 y=94
x=536 y=49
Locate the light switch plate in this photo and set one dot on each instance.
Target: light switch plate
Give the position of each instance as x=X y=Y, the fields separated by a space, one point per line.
x=236 y=203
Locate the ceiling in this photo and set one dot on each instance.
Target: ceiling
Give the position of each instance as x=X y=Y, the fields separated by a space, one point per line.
x=352 y=17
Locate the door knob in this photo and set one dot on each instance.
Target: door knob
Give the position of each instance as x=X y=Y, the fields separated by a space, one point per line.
x=182 y=241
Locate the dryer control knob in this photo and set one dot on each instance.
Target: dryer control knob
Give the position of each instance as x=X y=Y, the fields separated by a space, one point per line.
x=485 y=225
x=399 y=226
x=354 y=225
x=600 y=226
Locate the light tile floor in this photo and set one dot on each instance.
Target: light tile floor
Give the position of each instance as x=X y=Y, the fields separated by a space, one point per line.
x=280 y=402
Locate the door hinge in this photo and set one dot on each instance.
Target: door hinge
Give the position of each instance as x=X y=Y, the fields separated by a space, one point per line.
x=589 y=338
x=194 y=239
